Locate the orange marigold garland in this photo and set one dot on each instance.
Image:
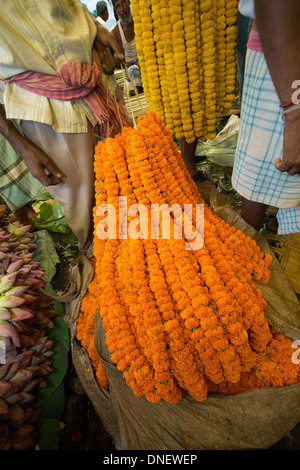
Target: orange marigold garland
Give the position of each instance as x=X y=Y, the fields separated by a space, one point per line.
x=176 y=321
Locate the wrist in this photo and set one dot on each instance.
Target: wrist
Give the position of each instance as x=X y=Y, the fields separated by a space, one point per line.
x=293 y=115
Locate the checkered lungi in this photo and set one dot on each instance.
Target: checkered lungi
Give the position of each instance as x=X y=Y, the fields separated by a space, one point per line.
x=260 y=141
x=17 y=185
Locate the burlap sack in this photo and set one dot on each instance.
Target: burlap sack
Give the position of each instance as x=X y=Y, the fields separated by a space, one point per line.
x=255 y=419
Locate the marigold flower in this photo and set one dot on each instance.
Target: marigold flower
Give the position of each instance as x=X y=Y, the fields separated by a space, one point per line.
x=177 y=321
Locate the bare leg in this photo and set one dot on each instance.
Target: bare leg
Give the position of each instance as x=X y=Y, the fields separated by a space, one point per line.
x=188 y=155
x=253 y=212
x=273 y=225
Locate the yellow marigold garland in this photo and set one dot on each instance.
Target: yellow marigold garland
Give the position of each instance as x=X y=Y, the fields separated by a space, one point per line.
x=231 y=33
x=172 y=108
x=221 y=56
x=176 y=321
x=187 y=56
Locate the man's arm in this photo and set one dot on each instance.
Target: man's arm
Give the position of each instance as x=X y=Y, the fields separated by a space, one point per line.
x=109 y=50
x=38 y=163
x=278 y=24
x=116 y=33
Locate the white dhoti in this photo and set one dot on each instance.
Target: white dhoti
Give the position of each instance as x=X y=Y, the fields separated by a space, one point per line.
x=73 y=155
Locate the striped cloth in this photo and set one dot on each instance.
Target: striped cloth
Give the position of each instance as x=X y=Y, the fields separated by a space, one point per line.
x=17 y=185
x=260 y=141
x=78 y=81
x=75 y=81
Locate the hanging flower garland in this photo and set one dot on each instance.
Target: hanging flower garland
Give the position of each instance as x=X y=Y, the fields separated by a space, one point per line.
x=221 y=53
x=191 y=17
x=138 y=34
x=173 y=111
x=231 y=68
x=177 y=321
x=158 y=29
x=188 y=61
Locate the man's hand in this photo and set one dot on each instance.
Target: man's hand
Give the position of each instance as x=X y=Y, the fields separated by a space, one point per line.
x=129 y=64
x=40 y=165
x=110 y=52
x=290 y=162
x=281 y=51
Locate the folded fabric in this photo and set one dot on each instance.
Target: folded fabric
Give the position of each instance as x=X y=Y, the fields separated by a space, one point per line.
x=78 y=81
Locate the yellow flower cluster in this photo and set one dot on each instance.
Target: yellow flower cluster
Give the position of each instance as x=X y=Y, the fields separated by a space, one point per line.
x=186 y=50
x=176 y=321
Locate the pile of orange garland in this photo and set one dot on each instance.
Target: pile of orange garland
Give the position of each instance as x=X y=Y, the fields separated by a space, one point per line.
x=177 y=321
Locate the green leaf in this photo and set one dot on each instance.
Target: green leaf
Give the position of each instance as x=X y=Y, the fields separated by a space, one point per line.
x=52 y=398
x=51 y=217
x=58 y=211
x=66 y=244
x=45 y=196
x=45 y=212
x=49 y=429
x=46 y=253
x=59 y=226
x=61 y=344
x=53 y=406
